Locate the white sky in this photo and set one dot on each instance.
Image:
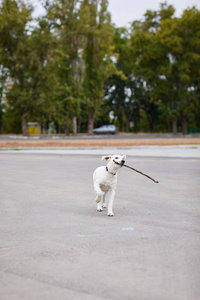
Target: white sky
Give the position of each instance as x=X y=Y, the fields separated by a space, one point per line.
x=125 y=11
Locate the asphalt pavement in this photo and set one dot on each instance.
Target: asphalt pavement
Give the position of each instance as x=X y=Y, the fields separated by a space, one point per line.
x=178 y=151
x=55 y=245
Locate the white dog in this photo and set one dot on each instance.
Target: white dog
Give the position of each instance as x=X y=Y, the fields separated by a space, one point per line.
x=105 y=180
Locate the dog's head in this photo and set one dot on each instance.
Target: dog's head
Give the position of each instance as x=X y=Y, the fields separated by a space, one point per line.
x=114 y=161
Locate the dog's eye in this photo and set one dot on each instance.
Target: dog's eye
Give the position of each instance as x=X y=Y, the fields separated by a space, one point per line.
x=116 y=157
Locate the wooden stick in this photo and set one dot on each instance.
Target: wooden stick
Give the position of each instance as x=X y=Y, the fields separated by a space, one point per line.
x=138 y=172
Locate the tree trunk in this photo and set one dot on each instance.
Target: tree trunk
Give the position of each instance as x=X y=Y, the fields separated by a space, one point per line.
x=66 y=126
x=1 y=122
x=151 y=125
x=127 y=125
x=56 y=127
x=91 y=121
x=184 y=125
x=66 y=129
x=174 y=126
x=24 y=126
x=79 y=124
x=47 y=127
x=74 y=125
x=168 y=125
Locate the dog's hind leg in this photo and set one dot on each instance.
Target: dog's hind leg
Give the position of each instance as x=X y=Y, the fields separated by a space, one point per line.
x=104 y=200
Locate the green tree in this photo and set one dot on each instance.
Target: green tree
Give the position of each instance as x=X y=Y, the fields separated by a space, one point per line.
x=166 y=53
x=181 y=39
x=28 y=56
x=67 y=24
x=3 y=77
x=123 y=91
x=41 y=67
x=14 y=18
x=97 y=55
x=151 y=60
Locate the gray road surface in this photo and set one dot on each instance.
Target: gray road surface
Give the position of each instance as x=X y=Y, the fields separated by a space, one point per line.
x=54 y=245
x=178 y=151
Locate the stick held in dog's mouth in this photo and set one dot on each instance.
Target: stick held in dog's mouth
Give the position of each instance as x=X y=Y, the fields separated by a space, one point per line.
x=123 y=165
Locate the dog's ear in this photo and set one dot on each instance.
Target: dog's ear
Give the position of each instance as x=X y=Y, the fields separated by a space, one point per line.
x=107 y=157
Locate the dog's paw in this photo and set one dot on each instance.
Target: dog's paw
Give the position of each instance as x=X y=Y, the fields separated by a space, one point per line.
x=110 y=214
x=99 y=209
x=104 y=205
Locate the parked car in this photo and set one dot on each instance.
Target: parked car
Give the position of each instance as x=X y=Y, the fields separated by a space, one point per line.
x=106 y=129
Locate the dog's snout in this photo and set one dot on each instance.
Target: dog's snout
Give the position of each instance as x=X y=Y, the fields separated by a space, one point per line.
x=123 y=161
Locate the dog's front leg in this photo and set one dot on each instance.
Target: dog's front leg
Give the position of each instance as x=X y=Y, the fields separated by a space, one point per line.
x=99 y=202
x=110 y=204
x=99 y=195
x=99 y=206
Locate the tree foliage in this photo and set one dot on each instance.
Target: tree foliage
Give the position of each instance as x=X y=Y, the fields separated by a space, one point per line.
x=72 y=67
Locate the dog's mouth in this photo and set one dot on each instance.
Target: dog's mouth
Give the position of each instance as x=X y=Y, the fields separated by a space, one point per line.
x=121 y=163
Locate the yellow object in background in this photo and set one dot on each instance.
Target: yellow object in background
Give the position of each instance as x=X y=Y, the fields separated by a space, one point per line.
x=33 y=130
